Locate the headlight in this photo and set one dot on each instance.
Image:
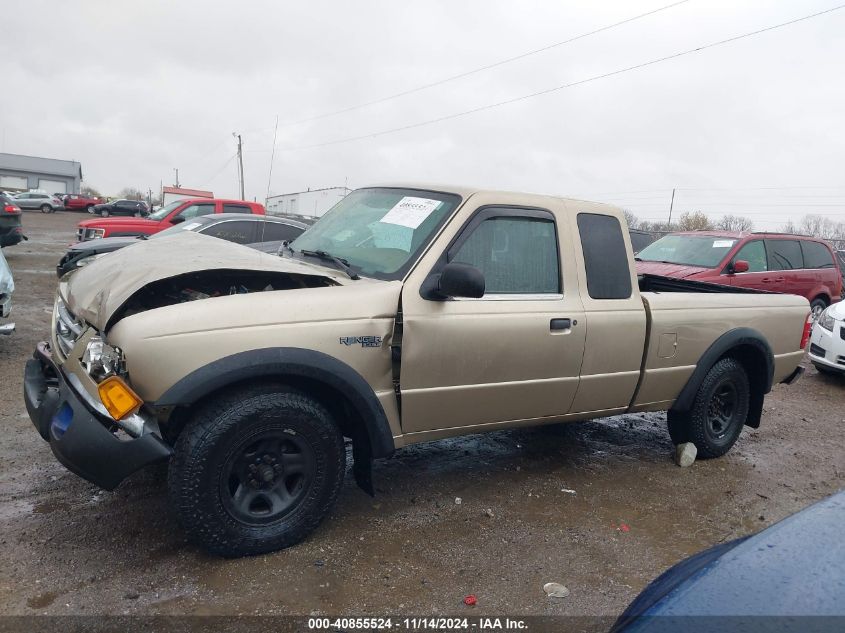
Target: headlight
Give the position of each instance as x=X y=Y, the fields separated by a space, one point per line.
x=101 y=360
x=826 y=321
x=94 y=234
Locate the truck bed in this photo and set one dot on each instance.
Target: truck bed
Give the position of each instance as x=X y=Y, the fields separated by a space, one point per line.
x=659 y=283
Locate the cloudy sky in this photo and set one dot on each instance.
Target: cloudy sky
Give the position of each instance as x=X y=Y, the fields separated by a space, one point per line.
x=135 y=89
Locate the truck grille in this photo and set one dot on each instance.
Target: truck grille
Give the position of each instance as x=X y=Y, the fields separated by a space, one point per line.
x=842 y=333
x=68 y=328
x=80 y=234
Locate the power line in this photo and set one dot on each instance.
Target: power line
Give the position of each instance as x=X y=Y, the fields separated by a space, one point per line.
x=219 y=171
x=532 y=95
x=480 y=69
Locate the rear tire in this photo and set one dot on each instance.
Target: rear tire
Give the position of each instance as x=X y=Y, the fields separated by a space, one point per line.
x=256 y=471
x=89 y=207
x=718 y=413
x=104 y=213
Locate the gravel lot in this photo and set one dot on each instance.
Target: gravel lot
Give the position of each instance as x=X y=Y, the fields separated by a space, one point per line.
x=68 y=548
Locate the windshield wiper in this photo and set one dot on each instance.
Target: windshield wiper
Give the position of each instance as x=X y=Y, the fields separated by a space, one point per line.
x=339 y=261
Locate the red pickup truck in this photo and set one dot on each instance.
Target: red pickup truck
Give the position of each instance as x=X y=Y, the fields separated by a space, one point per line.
x=79 y=202
x=173 y=213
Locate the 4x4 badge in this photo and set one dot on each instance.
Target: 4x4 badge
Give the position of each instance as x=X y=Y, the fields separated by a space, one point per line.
x=364 y=341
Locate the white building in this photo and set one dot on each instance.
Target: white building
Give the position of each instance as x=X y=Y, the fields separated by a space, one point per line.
x=312 y=203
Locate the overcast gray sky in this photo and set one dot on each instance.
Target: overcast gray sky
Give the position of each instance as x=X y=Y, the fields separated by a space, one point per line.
x=133 y=89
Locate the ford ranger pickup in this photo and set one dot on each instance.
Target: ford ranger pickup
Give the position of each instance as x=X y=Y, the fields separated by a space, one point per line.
x=405 y=314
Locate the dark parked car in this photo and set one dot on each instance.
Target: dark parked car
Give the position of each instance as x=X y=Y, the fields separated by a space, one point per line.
x=137 y=208
x=11 y=231
x=38 y=200
x=241 y=228
x=770 y=581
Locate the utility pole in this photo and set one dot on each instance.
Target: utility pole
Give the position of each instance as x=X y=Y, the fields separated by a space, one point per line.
x=240 y=162
x=176 y=169
x=272 y=156
x=671 y=205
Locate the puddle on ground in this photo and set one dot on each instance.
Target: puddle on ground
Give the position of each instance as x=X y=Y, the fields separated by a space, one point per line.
x=42 y=601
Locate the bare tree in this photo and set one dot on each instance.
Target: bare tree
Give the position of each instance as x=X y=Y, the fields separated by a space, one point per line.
x=694 y=221
x=89 y=191
x=819 y=226
x=735 y=223
x=789 y=227
x=632 y=220
x=130 y=193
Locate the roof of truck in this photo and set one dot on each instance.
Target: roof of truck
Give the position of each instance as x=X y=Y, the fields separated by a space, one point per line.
x=465 y=191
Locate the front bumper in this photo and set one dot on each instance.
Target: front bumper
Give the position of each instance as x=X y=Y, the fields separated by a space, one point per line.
x=827 y=349
x=78 y=433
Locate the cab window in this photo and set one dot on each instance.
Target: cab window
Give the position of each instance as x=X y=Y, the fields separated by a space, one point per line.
x=194 y=210
x=755 y=254
x=517 y=255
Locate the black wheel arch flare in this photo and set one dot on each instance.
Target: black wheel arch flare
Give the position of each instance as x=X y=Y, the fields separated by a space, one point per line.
x=753 y=351
x=293 y=363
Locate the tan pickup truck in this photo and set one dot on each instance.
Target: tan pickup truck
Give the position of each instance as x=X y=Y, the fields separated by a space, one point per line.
x=404 y=315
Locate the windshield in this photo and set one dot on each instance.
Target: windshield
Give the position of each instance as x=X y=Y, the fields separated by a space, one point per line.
x=164 y=211
x=379 y=231
x=690 y=250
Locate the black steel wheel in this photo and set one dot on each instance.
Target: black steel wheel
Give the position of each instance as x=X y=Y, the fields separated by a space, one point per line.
x=266 y=477
x=256 y=470
x=718 y=412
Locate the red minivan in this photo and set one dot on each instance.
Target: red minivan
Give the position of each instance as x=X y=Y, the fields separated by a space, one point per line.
x=794 y=264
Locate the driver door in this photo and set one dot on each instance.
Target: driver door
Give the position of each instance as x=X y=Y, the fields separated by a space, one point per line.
x=513 y=354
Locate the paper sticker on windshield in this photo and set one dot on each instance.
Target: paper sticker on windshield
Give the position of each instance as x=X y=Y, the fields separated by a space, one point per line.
x=723 y=243
x=191 y=226
x=410 y=212
x=392 y=236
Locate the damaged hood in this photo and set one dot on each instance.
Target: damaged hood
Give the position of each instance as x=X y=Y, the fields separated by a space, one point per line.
x=96 y=291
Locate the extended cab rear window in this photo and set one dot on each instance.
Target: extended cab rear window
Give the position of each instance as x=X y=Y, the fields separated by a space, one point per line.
x=605 y=257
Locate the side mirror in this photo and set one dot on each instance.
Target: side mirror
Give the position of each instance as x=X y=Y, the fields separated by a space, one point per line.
x=740 y=266
x=177 y=220
x=460 y=280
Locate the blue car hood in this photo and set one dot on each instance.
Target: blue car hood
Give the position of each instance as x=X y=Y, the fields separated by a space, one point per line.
x=793 y=568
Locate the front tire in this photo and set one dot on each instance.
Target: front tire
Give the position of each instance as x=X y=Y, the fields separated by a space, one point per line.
x=256 y=471
x=104 y=213
x=718 y=412
x=46 y=208
x=817 y=306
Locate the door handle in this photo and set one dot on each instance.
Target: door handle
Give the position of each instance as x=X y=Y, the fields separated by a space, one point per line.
x=560 y=324
x=767 y=280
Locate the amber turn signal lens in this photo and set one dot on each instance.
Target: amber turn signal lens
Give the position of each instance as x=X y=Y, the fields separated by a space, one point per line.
x=118 y=398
